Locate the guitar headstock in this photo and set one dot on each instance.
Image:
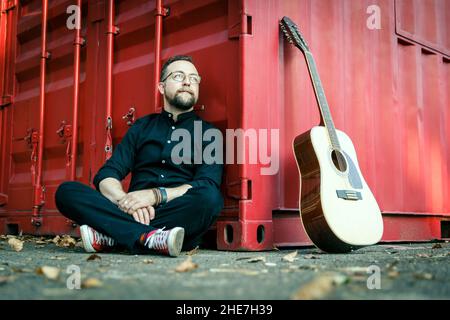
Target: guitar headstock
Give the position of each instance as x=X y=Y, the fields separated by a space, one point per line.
x=292 y=34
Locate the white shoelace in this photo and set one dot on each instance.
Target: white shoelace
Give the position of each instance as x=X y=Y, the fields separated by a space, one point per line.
x=158 y=240
x=103 y=239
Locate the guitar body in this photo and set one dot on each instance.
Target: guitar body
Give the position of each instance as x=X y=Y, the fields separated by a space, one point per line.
x=337 y=208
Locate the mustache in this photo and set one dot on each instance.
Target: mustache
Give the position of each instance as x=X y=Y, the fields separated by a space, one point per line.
x=185 y=90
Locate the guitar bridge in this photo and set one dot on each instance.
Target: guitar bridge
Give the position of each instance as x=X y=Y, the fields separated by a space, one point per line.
x=349 y=195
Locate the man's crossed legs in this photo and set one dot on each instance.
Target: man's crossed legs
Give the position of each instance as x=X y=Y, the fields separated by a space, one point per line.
x=178 y=225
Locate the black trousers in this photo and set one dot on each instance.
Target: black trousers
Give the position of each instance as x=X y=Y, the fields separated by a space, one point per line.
x=195 y=211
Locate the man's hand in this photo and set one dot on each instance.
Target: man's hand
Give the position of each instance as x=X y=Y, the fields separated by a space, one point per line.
x=137 y=200
x=144 y=215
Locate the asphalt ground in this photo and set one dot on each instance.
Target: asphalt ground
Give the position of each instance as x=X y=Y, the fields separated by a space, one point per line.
x=47 y=268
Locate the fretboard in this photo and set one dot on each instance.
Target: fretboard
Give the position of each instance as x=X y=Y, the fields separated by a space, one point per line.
x=322 y=100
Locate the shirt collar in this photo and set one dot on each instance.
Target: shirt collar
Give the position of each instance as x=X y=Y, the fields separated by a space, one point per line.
x=181 y=116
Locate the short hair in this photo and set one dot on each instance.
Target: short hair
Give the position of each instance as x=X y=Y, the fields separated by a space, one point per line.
x=172 y=60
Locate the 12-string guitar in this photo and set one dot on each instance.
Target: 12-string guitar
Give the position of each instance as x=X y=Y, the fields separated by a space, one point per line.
x=337 y=208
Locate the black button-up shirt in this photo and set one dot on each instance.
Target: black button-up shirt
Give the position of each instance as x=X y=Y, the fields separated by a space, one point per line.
x=146 y=150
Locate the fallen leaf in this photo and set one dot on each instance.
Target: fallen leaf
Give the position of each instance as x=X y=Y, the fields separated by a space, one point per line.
x=355 y=270
x=186 y=266
x=58 y=258
x=310 y=256
x=20 y=270
x=4 y=280
x=40 y=242
x=91 y=283
x=424 y=255
x=291 y=256
x=147 y=261
x=15 y=244
x=257 y=259
x=423 y=276
x=437 y=246
x=319 y=287
x=270 y=264
x=247 y=272
x=243 y=258
x=93 y=257
x=308 y=267
x=193 y=251
x=51 y=273
x=393 y=274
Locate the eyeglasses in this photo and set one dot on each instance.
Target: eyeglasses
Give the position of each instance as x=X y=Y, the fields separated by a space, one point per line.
x=179 y=76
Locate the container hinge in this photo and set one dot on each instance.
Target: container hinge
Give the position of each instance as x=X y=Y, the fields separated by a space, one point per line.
x=240 y=190
x=65 y=132
x=5 y=100
x=3 y=199
x=239 y=22
x=8 y=5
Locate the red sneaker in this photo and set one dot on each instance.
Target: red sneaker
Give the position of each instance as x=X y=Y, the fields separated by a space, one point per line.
x=94 y=241
x=168 y=242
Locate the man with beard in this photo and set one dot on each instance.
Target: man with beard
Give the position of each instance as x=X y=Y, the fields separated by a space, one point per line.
x=168 y=206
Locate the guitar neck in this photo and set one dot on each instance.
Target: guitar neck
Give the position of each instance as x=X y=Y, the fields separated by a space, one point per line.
x=321 y=100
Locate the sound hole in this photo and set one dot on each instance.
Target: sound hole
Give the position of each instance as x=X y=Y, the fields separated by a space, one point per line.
x=339 y=160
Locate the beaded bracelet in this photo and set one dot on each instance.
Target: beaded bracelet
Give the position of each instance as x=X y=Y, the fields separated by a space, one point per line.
x=157 y=196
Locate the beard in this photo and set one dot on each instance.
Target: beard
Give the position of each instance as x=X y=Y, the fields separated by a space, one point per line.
x=180 y=102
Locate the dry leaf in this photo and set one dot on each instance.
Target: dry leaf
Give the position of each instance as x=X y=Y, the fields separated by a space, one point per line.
x=290 y=257
x=424 y=255
x=40 y=242
x=65 y=241
x=147 y=261
x=186 y=265
x=437 y=246
x=20 y=270
x=270 y=264
x=393 y=274
x=58 y=258
x=15 y=244
x=51 y=273
x=243 y=258
x=424 y=276
x=193 y=251
x=310 y=256
x=6 y=279
x=257 y=259
x=91 y=283
x=355 y=270
x=319 y=287
x=247 y=272
x=93 y=257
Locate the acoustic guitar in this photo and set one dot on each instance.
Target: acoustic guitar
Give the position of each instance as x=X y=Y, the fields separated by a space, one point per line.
x=338 y=211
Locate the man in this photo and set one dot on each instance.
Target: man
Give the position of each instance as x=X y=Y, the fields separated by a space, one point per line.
x=168 y=206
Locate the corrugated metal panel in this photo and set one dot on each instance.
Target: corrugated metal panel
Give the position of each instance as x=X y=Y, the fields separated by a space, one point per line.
x=389 y=95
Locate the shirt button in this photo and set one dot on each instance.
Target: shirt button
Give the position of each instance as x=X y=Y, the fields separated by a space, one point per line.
x=173 y=128
x=170 y=116
x=162 y=176
x=168 y=141
x=164 y=161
